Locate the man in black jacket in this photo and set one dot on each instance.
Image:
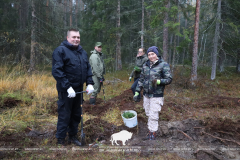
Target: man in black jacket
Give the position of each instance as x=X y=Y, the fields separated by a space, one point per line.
x=70 y=68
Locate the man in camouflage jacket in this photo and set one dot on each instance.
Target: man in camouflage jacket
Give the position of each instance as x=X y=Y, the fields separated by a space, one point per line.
x=154 y=76
x=98 y=70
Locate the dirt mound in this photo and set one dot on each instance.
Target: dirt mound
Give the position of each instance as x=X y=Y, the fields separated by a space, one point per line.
x=190 y=133
x=225 y=127
x=218 y=101
x=97 y=128
x=123 y=102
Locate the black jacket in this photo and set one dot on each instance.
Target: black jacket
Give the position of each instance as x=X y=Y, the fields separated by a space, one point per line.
x=70 y=67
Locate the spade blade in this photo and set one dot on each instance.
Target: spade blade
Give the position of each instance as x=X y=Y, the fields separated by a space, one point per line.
x=83 y=139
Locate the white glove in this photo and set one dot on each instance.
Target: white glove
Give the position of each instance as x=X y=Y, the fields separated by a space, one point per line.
x=71 y=92
x=130 y=78
x=89 y=89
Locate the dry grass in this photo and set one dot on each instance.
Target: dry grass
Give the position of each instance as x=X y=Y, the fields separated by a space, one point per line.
x=113 y=115
x=40 y=89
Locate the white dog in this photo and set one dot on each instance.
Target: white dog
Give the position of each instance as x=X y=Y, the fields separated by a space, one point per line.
x=122 y=136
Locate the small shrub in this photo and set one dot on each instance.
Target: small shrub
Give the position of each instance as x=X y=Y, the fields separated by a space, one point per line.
x=128 y=115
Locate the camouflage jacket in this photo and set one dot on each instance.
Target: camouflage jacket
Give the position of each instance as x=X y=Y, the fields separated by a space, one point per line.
x=139 y=63
x=160 y=70
x=97 y=64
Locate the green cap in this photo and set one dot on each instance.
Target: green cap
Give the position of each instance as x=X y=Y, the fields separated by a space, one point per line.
x=98 y=44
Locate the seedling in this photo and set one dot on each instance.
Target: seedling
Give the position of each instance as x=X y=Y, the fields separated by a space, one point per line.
x=128 y=115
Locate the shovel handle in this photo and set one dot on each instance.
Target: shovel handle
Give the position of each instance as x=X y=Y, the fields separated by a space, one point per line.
x=81 y=92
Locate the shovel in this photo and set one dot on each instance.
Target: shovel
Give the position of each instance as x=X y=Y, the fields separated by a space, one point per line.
x=103 y=93
x=82 y=134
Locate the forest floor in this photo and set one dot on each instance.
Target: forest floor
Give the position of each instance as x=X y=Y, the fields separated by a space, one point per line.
x=201 y=122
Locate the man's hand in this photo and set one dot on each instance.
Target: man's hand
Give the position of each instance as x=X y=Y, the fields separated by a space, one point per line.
x=130 y=78
x=135 y=97
x=101 y=80
x=71 y=92
x=156 y=82
x=90 y=89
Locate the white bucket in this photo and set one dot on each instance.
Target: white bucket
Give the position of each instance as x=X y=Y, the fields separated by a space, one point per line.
x=130 y=122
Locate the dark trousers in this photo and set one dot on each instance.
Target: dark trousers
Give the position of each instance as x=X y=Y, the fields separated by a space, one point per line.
x=69 y=114
x=134 y=85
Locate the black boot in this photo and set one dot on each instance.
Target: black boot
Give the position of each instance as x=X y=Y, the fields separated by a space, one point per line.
x=92 y=101
x=74 y=140
x=61 y=141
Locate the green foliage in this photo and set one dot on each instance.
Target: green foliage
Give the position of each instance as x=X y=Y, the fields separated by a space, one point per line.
x=15 y=126
x=234 y=27
x=15 y=96
x=187 y=62
x=128 y=115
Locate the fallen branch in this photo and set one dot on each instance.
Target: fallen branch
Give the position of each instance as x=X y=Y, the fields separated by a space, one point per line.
x=225 y=132
x=117 y=79
x=29 y=128
x=93 y=144
x=222 y=138
x=185 y=134
x=237 y=133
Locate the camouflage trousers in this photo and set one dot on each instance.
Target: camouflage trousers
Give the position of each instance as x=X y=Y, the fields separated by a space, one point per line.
x=152 y=108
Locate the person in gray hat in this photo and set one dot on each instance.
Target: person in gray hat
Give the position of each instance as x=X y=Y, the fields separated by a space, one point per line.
x=98 y=70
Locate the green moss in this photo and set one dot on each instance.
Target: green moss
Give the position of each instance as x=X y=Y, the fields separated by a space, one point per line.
x=16 y=96
x=15 y=126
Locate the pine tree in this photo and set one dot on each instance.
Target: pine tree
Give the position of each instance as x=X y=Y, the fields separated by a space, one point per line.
x=195 y=47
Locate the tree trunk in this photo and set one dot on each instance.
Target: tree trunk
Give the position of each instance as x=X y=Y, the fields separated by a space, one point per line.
x=189 y=44
x=184 y=50
x=221 y=60
x=200 y=51
x=65 y=14
x=174 y=54
x=165 y=32
x=204 y=50
x=142 y=45
x=179 y=20
x=170 y=50
x=47 y=10
x=195 y=45
x=215 y=43
x=23 y=18
x=33 y=40
x=118 y=48
x=70 y=16
x=238 y=61
x=155 y=38
x=76 y=12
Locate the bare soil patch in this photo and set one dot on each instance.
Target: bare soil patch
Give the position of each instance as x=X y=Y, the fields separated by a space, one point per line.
x=218 y=101
x=123 y=102
x=10 y=102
